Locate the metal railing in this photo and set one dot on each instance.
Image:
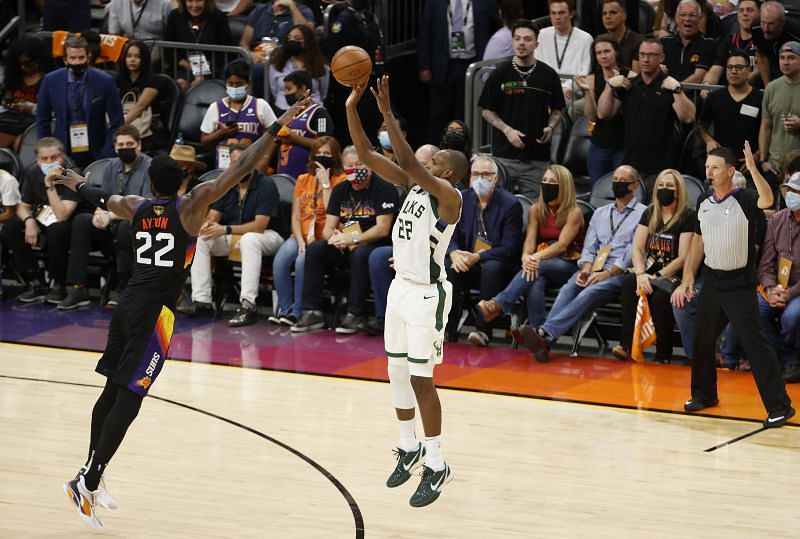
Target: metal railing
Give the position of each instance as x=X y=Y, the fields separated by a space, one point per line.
x=221 y=55
x=399 y=20
x=9 y=27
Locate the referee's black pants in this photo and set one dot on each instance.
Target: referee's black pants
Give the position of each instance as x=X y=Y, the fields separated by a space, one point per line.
x=731 y=296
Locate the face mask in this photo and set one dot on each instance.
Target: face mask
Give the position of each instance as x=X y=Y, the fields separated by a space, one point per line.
x=48 y=168
x=127 y=155
x=792 y=201
x=665 y=196
x=482 y=187
x=293 y=48
x=620 y=189
x=357 y=176
x=324 y=160
x=549 y=192
x=236 y=94
x=360 y=4
x=453 y=140
x=383 y=138
x=78 y=69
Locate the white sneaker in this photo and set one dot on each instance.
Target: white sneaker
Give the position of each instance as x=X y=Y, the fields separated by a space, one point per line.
x=104 y=496
x=83 y=501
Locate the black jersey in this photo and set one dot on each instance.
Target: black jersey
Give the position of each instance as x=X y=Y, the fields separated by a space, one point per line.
x=164 y=250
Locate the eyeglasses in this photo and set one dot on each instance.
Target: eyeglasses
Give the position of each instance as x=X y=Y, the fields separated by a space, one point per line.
x=649 y=54
x=485 y=173
x=688 y=15
x=736 y=67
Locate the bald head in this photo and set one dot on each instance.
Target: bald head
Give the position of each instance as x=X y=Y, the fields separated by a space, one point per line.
x=453 y=160
x=425 y=153
x=626 y=173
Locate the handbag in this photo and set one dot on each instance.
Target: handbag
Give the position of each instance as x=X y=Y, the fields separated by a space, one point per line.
x=145 y=119
x=667 y=284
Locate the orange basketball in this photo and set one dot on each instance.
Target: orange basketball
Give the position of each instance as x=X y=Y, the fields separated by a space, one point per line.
x=351 y=66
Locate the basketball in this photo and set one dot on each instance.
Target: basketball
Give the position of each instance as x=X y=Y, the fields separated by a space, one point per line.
x=351 y=66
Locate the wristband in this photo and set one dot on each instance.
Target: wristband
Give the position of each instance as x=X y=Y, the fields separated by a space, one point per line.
x=95 y=195
x=274 y=129
x=26 y=219
x=228 y=230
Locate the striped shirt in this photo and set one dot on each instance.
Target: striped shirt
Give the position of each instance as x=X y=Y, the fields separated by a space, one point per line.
x=730 y=227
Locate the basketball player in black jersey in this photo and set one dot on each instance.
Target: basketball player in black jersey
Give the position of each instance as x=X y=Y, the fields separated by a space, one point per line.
x=164 y=230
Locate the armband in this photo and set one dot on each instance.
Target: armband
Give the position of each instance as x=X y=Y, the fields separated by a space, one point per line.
x=95 y=195
x=274 y=129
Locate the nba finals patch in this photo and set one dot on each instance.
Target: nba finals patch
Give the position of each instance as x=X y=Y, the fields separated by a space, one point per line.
x=158 y=210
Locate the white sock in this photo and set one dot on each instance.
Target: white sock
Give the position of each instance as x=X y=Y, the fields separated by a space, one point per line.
x=408 y=438
x=433 y=453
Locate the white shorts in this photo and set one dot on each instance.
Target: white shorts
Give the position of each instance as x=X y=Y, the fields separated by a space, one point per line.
x=416 y=315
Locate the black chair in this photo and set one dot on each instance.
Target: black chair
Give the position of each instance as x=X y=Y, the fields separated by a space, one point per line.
x=558 y=143
x=575 y=154
x=29 y=139
x=602 y=193
x=210 y=175
x=10 y=163
x=526 y=204
x=695 y=188
x=647 y=17
x=285 y=184
x=97 y=170
x=588 y=212
x=237 y=25
x=167 y=103
x=195 y=105
x=502 y=175
x=693 y=154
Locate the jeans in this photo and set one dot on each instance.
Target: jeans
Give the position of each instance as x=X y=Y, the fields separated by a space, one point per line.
x=489 y=277
x=684 y=318
x=380 y=275
x=600 y=161
x=574 y=301
x=552 y=272
x=780 y=327
x=289 y=294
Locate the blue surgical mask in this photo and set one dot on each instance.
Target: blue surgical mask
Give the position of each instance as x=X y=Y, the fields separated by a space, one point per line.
x=47 y=168
x=238 y=93
x=793 y=201
x=482 y=187
x=383 y=138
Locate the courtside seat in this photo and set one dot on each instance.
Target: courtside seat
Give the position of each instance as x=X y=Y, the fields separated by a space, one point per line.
x=195 y=105
x=575 y=154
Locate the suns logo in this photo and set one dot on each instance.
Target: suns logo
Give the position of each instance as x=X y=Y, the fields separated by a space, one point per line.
x=144 y=382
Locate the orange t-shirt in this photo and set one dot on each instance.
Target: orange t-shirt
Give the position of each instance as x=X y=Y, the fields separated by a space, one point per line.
x=308 y=195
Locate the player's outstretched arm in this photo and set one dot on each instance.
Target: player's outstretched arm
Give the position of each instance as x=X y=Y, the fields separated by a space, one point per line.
x=123 y=206
x=369 y=157
x=448 y=197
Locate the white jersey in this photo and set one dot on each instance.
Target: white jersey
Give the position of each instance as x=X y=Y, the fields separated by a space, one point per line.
x=420 y=239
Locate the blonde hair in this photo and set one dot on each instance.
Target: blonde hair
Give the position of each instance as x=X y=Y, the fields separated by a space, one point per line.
x=656 y=216
x=566 y=191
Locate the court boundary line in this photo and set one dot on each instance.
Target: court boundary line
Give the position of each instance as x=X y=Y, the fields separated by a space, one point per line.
x=629 y=407
x=734 y=440
x=358 y=516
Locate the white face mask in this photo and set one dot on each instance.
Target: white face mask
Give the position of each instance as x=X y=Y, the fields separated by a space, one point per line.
x=482 y=187
x=237 y=93
x=47 y=168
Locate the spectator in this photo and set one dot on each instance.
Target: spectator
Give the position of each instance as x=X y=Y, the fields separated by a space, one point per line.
x=732 y=113
x=522 y=99
x=312 y=192
x=45 y=209
x=26 y=62
x=104 y=230
x=85 y=121
x=726 y=237
x=615 y=20
x=780 y=309
x=649 y=99
x=141 y=20
x=273 y=19
x=552 y=246
x=660 y=245
x=235 y=8
x=425 y=153
x=197 y=21
x=297 y=137
x=769 y=36
x=457 y=136
x=384 y=145
x=689 y=54
x=592 y=21
x=606 y=149
x=359 y=219
x=246 y=218
x=605 y=258
x=780 y=123
x=239 y=117
x=355 y=25
x=185 y=156
x=138 y=88
x=501 y=44
x=738 y=40
x=71 y=15
x=563 y=47
x=300 y=52
x=9 y=198
x=485 y=245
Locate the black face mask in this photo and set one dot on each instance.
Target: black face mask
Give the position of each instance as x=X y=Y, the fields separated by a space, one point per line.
x=293 y=48
x=291 y=99
x=453 y=140
x=127 y=155
x=78 y=69
x=665 y=196
x=324 y=160
x=360 y=4
x=549 y=192
x=620 y=189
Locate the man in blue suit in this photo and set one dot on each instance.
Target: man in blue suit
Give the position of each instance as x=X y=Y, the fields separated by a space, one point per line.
x=79 y=99
x=452 y=35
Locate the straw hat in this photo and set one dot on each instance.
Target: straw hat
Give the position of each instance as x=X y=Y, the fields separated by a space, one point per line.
x=186 y=154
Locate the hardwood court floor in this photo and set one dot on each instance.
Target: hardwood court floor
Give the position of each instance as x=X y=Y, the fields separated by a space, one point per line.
x=524 y=467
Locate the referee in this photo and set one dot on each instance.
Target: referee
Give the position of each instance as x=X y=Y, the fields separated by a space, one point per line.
x=726 y=235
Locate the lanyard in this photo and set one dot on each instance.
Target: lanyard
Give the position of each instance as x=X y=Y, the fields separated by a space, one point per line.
x=482 y=232
x=791 y=235
x=611 y=223
x=560 y=60
x=135 y=23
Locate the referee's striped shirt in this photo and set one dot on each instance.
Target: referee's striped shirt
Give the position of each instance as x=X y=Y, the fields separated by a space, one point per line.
x=730 y=229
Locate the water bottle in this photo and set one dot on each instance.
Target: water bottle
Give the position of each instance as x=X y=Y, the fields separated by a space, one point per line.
x=179 y=140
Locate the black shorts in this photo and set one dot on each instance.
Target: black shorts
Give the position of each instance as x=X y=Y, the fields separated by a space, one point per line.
x=138 y=342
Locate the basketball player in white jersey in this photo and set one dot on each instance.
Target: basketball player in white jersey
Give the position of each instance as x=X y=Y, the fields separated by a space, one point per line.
x=420 y=295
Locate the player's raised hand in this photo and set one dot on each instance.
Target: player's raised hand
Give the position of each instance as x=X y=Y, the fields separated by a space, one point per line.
x=296 y=109
x=69 y=178
x=355 y=95
x=381 y=94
